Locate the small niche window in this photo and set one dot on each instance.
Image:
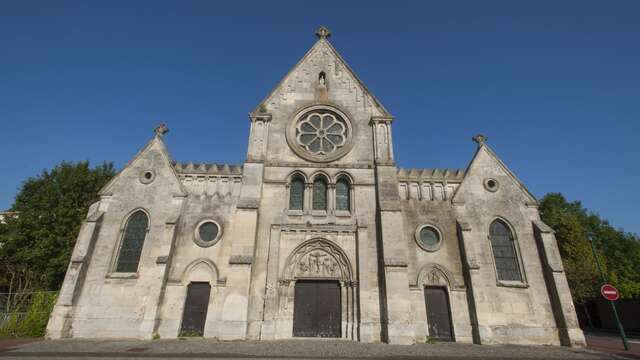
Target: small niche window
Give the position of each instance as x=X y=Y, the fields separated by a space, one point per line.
x=135 y=232
x=322 y=78
x=504 y=252
x=343 y=196
x=208 y=233
x=320 y=194
x=296 y=193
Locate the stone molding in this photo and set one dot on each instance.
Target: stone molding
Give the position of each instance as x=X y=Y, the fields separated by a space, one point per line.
x=241 y=260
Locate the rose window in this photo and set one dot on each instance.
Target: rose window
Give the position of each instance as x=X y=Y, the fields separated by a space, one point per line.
x=321 y=134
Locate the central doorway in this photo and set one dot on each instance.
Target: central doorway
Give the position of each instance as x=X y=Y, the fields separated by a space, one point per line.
x=317 y=310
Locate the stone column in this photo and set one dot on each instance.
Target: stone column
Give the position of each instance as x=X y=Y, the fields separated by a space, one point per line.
x=59 y=325
x=392 y=247
x=244 y=302
x=557 y=286
x=271 y=307
x=471 y=273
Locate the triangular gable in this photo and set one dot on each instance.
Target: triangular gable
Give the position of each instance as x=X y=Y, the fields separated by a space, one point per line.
x=155 y=143
x=484 y=149
x=321 y=53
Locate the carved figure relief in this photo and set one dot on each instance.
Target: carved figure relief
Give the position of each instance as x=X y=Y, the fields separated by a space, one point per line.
x=318 y=258
x=317 y=264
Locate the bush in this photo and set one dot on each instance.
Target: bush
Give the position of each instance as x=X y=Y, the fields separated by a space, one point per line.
x=33 y=321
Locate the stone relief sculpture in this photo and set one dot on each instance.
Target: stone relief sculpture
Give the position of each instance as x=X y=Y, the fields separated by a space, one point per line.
x=318 y=258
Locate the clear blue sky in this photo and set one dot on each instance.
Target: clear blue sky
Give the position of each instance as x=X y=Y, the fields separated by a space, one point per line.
x=554 y=84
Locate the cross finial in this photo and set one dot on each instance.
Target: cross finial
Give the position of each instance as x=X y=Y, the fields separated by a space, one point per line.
x=323 y=33
x=480 y=139
x=161 y=129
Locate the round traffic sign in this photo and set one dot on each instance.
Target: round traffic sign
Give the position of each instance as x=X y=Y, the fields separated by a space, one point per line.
x=609 y=292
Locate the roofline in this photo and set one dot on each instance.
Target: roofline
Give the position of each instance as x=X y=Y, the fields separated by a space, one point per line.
x=256 y=110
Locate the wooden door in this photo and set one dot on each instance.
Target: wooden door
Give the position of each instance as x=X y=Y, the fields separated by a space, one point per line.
x=195 y=309
x=317 y=310
x=438 y=313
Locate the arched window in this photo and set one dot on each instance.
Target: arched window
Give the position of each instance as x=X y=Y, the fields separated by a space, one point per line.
x=296 y=193
x=343 y=196
x=504 y=251
x=134 y=233
x=319 y=194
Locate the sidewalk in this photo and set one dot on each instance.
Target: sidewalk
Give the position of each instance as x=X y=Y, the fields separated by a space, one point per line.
x=284 y=349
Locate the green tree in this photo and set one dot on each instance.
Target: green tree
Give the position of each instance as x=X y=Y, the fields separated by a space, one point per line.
x=618 y=252
x=37 y=242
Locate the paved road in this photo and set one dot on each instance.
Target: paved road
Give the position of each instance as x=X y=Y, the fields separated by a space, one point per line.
x=285 y=349
x=611 y=343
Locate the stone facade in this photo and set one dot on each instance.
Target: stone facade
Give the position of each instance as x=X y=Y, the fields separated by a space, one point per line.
x=319 y=198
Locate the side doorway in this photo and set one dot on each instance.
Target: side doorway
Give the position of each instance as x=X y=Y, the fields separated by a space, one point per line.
x=438 y=313
x=195 y=309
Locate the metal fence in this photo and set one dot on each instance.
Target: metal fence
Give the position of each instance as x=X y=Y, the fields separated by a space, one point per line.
x=16 y=307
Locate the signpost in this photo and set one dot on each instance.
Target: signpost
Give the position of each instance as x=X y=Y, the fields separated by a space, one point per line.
x=610 y=293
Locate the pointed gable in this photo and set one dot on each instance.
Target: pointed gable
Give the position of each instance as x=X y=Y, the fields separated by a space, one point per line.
x=153 y=158
x=342 y=83
x=484 y=166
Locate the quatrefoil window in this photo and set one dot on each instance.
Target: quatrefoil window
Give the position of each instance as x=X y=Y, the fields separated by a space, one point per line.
x=321 y=134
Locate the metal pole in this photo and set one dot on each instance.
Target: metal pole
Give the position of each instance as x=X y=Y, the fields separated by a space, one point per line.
x=613 y=305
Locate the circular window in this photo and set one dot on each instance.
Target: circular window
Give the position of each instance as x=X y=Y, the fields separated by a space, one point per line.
x=491 y=184
x=320 y=133
x=207 y=233
x=428 y=237
x=147 y=176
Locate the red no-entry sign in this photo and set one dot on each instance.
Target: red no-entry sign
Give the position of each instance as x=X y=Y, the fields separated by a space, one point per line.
x=609 y=292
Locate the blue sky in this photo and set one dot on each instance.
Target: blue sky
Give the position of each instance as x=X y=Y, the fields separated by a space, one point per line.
x=553 y=84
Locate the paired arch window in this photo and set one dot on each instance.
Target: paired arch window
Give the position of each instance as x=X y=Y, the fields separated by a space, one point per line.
x=320 y=194
x=504 y=251
x=135 y=232
x=296 y=196
x=343 y=195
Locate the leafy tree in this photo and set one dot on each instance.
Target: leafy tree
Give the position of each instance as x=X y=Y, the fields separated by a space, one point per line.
x=36 y=244
x=618 y=252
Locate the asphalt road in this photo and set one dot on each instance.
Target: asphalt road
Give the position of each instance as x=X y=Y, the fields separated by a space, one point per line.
x=197 y=348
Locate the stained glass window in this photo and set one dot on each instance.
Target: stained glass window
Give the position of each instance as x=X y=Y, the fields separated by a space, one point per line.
x=319 y=194
x=134 y=234
x=321 y=133
x=342 y=195
x=296 y=196
x=504 y=252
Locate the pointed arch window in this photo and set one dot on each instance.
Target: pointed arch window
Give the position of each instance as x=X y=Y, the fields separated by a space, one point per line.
x=504 y=251
x=135 y=232
x=296 y=193
x=343 y=195
x=319 y=194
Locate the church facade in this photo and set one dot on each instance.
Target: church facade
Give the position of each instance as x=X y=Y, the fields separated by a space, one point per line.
x=317 y=234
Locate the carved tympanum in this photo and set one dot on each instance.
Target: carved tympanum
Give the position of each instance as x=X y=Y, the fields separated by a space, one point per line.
x=317 y=264
x=318 y=258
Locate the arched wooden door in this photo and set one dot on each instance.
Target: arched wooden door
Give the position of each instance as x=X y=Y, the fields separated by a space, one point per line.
x=438 y=313
x=195 y=309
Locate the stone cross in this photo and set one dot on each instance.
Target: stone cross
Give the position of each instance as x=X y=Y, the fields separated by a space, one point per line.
x=480 y=139
x=323 y=33
x=161 y=129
